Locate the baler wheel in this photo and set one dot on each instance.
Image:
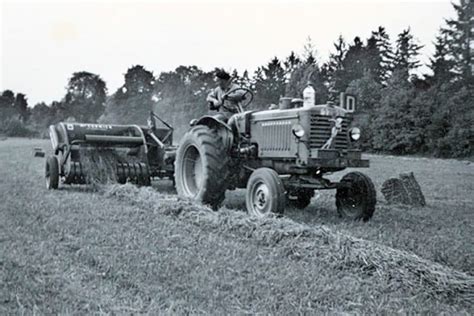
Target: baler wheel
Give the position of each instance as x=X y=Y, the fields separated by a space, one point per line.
x=52 y=173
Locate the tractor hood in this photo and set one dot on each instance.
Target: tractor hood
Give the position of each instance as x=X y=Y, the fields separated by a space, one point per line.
x=321 y=109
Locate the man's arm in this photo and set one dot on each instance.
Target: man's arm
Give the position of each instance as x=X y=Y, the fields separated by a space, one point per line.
x=237 y=95
x=213 y=101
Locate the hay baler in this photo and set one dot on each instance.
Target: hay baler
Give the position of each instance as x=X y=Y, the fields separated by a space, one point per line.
x=87 y=153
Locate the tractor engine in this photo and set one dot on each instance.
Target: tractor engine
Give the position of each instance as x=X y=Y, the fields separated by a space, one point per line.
x=303 y=140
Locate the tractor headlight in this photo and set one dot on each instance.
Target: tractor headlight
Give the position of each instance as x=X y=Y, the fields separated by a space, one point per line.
x=355 y=133
x=298 y=130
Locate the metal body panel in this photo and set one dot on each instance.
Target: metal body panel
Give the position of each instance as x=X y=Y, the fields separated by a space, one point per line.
x=73 y=132
x=274 y=137
x=271 y=131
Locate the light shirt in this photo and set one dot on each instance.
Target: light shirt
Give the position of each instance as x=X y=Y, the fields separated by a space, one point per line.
x=218 y=94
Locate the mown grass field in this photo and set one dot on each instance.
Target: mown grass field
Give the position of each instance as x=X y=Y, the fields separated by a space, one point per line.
x=125 y=250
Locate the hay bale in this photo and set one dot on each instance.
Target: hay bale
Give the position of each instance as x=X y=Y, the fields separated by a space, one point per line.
x=405 y=190
x=38 y=152
x=394 y=191
x=413 y=189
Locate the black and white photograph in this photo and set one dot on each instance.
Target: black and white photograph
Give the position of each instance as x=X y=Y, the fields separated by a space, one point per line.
x=267 y=157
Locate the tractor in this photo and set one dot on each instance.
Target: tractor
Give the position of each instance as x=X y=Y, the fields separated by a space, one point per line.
x=280 y=156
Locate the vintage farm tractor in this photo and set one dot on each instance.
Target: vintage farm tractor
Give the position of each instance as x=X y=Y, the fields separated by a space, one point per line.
x=280 y=156
x=133 y=153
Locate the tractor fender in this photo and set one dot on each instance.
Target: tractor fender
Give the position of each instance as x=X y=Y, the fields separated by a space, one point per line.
x=216 y=123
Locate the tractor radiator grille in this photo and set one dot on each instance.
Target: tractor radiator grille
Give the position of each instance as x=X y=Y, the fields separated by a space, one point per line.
x=278 y=136
x=320 y=132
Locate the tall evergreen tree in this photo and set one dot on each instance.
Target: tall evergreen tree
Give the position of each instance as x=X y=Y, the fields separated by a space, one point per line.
x=373 y=60
x=351 y=62
x=242 y=80
x=385 y=52
x=441 y=63
x=460 y=35
x=334 y=68
x=407 y=52
x=269 y=83
x=354 y=62
x=291 y=63
x=309 y=52
x=300 y=77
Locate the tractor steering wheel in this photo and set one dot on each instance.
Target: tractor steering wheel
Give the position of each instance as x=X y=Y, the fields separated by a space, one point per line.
x=245 y=99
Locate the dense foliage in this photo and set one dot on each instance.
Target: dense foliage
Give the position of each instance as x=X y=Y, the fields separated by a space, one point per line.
x=400 y=112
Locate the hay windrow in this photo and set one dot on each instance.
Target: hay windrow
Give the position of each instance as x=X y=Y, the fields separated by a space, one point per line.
x=317 y=243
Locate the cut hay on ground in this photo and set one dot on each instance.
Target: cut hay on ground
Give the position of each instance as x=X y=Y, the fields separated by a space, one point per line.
x=396 y=268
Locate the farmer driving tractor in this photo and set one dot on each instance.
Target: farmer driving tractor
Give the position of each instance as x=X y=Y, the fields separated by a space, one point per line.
x=226 y=96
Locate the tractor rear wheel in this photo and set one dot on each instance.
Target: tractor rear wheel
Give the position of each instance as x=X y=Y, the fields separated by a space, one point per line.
x=201 y=166
x=356 y=200
x=265 y=193
x=300 y=198
x=52 y=173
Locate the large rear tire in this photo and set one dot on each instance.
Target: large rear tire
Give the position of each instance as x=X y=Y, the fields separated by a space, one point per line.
x=52 y=173
x=201 y=167
x=265 y=193
x=357 y=200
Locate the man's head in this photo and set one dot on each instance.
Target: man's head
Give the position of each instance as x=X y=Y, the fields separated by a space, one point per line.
x=223 y=78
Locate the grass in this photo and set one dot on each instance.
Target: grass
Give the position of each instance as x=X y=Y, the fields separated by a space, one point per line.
x=127 y=250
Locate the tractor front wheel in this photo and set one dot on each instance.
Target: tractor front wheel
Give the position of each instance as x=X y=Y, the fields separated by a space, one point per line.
x=357 y=198
x=52 y=173
x=265 y=193
x=201 y=166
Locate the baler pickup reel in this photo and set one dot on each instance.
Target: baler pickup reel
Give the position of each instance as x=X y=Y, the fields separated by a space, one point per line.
x=101 y=153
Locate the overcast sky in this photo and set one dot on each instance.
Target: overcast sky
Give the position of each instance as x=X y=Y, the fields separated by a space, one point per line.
x=43 y=43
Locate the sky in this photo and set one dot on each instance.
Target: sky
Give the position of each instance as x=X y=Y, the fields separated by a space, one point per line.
x=43 y=43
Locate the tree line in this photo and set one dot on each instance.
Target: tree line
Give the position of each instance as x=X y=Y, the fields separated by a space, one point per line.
x=399 y=111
